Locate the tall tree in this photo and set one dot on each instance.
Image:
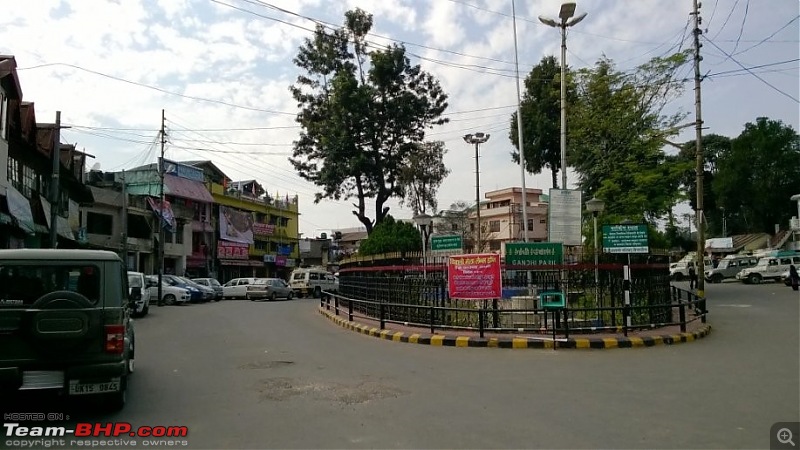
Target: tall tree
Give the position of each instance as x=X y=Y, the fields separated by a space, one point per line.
x=758 y=175
x=616 y=133
x=363 y=114
x=714 y=146
x=422 y=175
x=541 y=123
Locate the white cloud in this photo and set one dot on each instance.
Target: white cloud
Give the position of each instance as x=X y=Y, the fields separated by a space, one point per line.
x=208 y=50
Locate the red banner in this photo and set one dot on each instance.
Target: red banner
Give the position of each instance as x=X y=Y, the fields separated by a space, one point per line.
x=474 y=277
x=225 y=250
x=263 y=229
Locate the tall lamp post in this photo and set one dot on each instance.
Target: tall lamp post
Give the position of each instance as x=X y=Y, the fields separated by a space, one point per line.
x=425 y=224
x=477 y=139
x=567 y=11
x=596 y=206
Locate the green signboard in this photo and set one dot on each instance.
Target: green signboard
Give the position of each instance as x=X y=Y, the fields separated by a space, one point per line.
x=624 y=238
x=446 y=242
x=534 y=253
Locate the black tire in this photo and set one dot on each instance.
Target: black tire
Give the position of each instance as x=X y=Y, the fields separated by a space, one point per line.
x=317 y=292
x=678 y=276
x=754 y=278
x=62 y=299
x=273 y=297
x=291 y=295
x=716 y=278
x=146 y=310
x=169 y=299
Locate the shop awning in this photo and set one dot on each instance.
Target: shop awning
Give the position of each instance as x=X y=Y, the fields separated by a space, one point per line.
x=185 y=188
x=20 y=208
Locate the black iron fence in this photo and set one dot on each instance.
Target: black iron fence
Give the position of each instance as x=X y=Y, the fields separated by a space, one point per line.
x=401 y=288
x=496 y=315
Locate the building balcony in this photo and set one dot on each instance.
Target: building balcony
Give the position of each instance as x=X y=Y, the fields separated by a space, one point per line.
x=249 y=202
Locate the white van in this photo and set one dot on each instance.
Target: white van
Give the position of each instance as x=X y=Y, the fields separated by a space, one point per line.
x=681 y=269
x=312 y=280
x=769 y=268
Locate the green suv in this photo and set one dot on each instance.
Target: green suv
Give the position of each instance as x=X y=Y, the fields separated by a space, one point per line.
x=65 y=324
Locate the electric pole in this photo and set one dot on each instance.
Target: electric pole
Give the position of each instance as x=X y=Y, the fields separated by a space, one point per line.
x=124 y=221
x=700 y=160
x=161 y=207
x=55 y=190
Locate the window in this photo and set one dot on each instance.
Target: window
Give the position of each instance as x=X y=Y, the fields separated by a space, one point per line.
x=530 y=224
x=24 y=284
x=3 y=115
x=494 y=245
x=13 y=173
x=97 y=223
x=179 y=234
x=494 y=226
x=28 y=181
x=313 y=276
x=542 y=220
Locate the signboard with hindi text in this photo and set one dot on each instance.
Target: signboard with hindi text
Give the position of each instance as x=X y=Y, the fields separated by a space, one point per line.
x=625 y=238
x=564 y=216
x=534 y=253
x=452 y=242
x=474 y=277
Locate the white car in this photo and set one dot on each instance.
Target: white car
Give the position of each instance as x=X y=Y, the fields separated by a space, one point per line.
x=246 y=288
x=142 y=297
x=170 y=295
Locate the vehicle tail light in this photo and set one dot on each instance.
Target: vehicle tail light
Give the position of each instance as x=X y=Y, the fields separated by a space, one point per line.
x=114 y=341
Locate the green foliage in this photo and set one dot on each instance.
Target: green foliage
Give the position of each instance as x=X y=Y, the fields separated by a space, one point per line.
x=391 y=236
x=541 y=123
x=421 y=176
x=714 y=146
x=758 y=174
x=616 y=133
x=363 y=115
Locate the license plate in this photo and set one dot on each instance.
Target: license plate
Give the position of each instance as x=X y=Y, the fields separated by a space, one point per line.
x=77 y=388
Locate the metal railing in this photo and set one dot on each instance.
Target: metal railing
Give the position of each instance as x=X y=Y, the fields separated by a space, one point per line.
x=436 y=312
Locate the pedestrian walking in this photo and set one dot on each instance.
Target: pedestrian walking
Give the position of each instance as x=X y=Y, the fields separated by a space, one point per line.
x=794 y=278
x=692 y=277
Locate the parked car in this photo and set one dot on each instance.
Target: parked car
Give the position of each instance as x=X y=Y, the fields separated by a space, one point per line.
x=276 y=288
x=213 y=284
x=769 y=268
x=208 y=292
x=681 y=270
x=170 y=295
x=311 y=281
x=729 y=267
x=66 y=324
x=196 y=295
x=140 y=296
x=246 y=288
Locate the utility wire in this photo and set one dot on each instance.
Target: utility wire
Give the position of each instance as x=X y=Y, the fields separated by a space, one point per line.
x=751 y=72
x=768 y=37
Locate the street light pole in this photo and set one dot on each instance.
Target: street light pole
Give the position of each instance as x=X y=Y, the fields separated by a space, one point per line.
x=424 y=221
x=520 y=141
x=567 y=11
x=596 y=206
x=477 y=139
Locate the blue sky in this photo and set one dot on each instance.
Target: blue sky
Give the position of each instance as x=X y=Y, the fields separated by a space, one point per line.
x=221 y=69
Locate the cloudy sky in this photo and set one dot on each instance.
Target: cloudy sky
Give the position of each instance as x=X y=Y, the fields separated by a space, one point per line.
x=221 y=69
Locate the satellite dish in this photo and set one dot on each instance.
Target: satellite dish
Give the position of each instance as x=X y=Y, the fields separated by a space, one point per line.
x=96 y=167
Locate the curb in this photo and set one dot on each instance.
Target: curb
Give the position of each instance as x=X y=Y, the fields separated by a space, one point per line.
x=440 y=340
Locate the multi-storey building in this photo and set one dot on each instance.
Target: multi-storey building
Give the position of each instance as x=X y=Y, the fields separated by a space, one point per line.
x=189 y=231
x=501 y=218
x=27 y=153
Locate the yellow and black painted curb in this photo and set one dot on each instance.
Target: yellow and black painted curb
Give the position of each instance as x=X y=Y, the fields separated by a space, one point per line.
x=512 y=342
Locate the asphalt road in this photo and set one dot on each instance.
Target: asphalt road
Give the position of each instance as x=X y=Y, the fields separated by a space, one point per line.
x=241 y=374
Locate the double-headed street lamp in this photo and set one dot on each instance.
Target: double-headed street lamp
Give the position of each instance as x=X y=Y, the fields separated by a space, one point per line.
x=477 y=139
x=596 y=206
x=567 y=11
x=425 y=224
